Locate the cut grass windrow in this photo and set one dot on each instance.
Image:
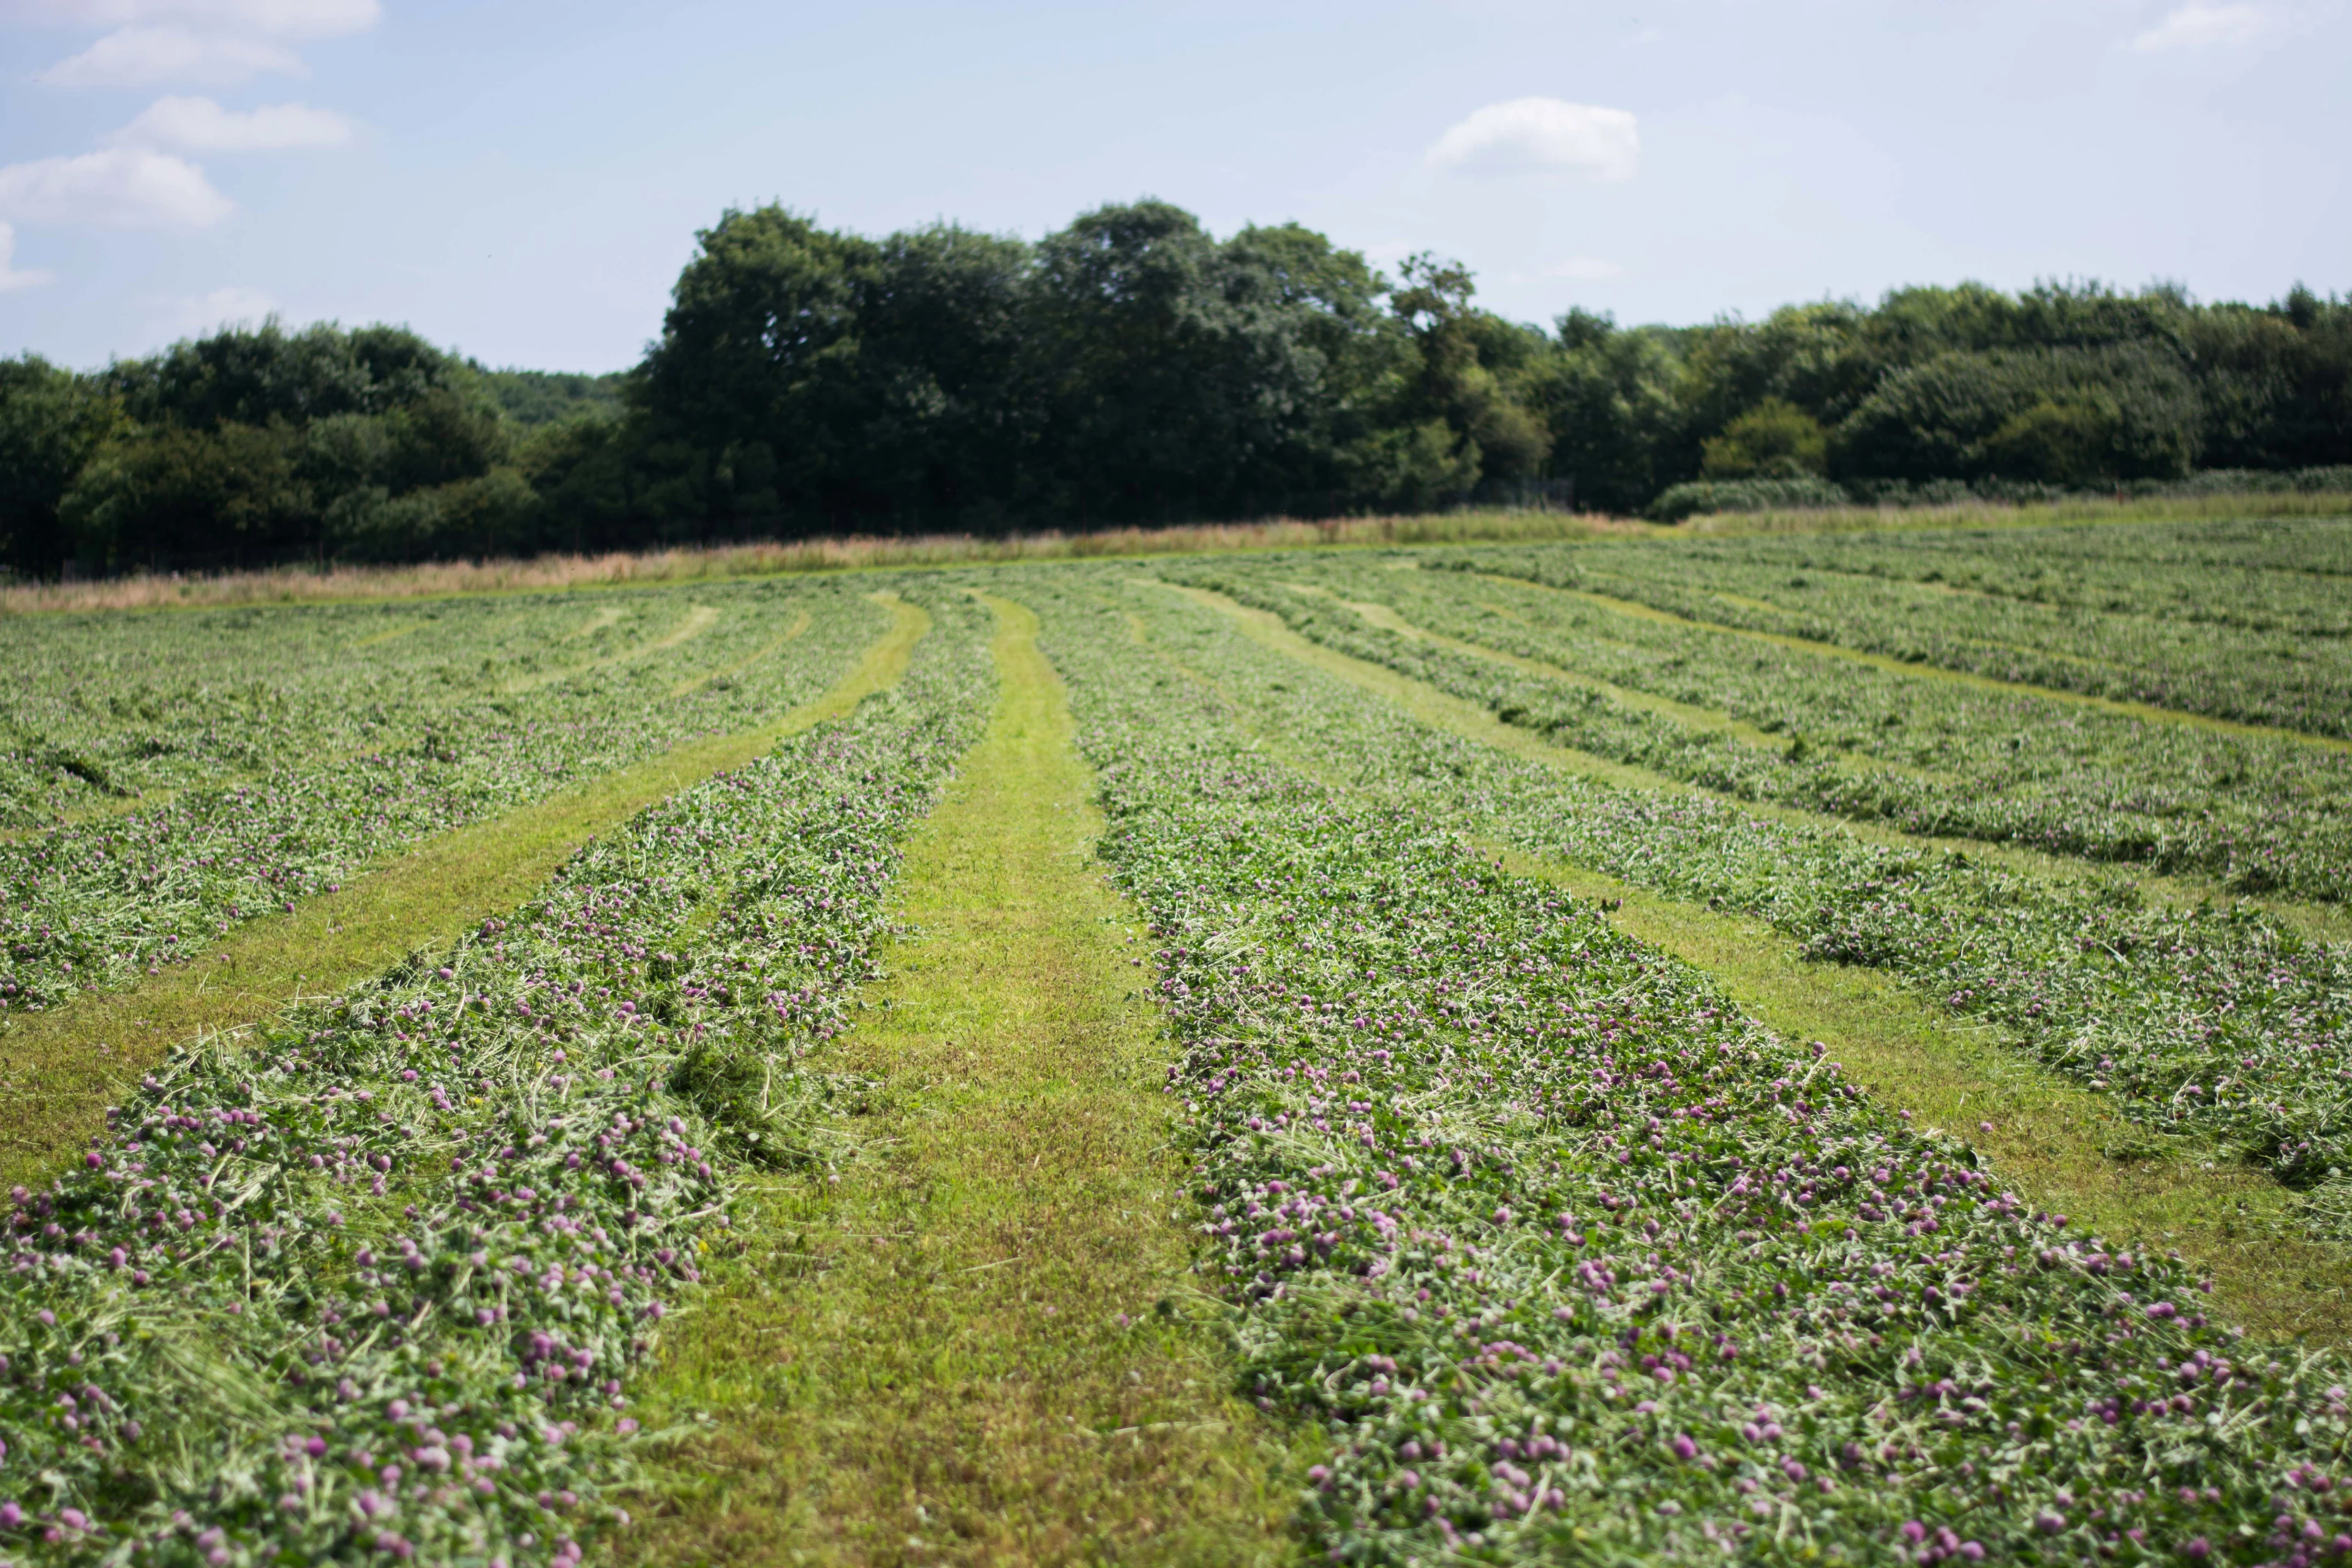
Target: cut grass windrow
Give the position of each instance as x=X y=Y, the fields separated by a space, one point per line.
x=1921 y=757
x=2069 y=1147
x=725 y=672
x=2046 y=1136
x=1918 y=670
x=976 y=1347
x=699 y=619
x=1475 y=720
x=369 y=1281
x=1567 y=1261
x=65 y=1066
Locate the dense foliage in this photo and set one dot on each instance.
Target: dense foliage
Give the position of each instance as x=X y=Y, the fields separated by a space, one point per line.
x=1133 y=367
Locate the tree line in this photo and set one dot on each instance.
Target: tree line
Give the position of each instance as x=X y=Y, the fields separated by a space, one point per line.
x=1131 y=367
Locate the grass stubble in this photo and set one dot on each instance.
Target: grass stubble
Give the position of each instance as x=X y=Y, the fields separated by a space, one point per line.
x=59 y=1070
x=981 y=1343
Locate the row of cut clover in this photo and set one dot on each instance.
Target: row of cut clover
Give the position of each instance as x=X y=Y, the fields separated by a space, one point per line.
x=1904 y=746
x=1568 y=1259
x=1922 y=754
x=107 y=705
x=368 y=1283
x=96 y=903
x=2220 y=1025
x=2241 y=619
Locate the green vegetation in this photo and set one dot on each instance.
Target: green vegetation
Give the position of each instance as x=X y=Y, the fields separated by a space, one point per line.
x=972 y=1342
x=57 y=1089
x=2254 y=812
x=1132 y=369
x=178 y=777
x=1567 y=1258
x=531 y=398
x=365 y=1279
x=2224 y=1024
x=1825 y=1049
x=2243 y=621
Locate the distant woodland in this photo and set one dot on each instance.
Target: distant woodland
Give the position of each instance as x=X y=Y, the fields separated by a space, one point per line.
x=1135 y=368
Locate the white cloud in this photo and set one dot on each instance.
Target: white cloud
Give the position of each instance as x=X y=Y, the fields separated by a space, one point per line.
x=214 y=41
x=2199 y=26
x=9 y=277
x=1542 y=135
x=121 y=187
x=266 y=18
x=140 y=56
x=200 y=125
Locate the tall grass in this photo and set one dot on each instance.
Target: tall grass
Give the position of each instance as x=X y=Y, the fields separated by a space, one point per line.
x=850 y=552
x=304 y=584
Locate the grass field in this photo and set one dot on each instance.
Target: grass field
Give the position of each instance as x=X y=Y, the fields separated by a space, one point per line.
x=1558 y=1044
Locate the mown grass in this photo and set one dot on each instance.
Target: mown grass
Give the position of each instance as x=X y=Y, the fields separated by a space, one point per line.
x=2320 y=922
x=61 y=1069
x=1921 y=671
x=2057 y=1144
x=2038 y=514
x=981 y=1345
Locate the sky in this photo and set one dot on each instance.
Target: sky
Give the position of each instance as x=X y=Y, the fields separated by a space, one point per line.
x=523 y=180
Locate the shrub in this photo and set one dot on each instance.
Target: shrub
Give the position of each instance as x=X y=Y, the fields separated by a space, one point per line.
x=1700 y=496
x=1774 y=440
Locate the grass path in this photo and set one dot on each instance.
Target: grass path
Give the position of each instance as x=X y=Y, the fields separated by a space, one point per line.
x=2049 y=1137
x=64 y=1066
x=975 y=1348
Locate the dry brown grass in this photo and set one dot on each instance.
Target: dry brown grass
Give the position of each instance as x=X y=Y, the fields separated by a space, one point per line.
x=767 y=558
x=852 y=553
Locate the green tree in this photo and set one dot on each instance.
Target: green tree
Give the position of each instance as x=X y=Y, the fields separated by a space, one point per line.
x=2135 y=414
x=228 y=496
x=758 y=352
x=1774 y=440
x=1474 y=371
x=52 y=423
x=1607 y=395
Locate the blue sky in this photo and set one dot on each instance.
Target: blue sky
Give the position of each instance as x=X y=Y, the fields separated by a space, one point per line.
x=524 y=179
